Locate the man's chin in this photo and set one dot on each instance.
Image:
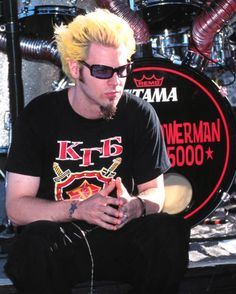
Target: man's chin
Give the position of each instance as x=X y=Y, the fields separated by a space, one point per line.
x=108 y=111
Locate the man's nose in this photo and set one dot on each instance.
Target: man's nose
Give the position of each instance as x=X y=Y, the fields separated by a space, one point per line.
x=115 y=79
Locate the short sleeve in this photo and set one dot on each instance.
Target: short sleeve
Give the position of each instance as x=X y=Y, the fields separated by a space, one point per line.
x=150 y=155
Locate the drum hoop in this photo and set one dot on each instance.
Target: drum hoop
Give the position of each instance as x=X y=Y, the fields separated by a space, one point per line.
x=196 y=3
x=49 y=9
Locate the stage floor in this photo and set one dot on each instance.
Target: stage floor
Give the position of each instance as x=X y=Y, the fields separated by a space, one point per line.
x=212 y=258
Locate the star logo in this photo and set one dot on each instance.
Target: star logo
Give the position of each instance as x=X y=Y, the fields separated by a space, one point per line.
x=209 y=153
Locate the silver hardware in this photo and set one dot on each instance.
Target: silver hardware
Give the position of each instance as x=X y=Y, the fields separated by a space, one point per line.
x=225 y=197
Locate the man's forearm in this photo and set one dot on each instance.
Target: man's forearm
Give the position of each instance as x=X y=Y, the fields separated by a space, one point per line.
x=28 y=209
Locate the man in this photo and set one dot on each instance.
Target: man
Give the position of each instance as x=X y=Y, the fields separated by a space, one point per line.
x=75 y=162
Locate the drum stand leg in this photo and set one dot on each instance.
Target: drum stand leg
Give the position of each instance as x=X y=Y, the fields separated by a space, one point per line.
x=6 y=228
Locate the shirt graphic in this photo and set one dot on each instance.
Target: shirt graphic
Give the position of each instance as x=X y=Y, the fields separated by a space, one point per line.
x=82 y=185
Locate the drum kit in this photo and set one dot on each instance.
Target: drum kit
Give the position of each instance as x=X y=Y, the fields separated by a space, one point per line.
x=198 y=122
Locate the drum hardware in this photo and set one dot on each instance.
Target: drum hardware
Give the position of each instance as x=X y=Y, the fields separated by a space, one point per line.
x=160 y=15
x=2 y=28
x=24 y=11
x=196 y=61
x=221 y=51
x=144 y=50
x=2 y=174
x=232 y=34
x=29 y=6
x=174 y=45
x=215 y=221
x=33 y=2
x=225 y=197
x=171 y=44
x=73 y=2
x=233 y=196
x=230 y=208
x=47 y=9
x=210 y=21
x=39 y=21
x=61 y=84
x=132 y=4
x=26 y=2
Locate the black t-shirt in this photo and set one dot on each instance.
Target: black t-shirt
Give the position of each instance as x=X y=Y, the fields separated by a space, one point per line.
x=76 y=157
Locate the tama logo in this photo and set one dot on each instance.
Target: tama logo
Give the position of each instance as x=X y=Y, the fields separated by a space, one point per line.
x=156 y=94
x=146 y=82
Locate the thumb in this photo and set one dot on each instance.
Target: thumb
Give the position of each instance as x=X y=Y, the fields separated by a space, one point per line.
x=120 y=188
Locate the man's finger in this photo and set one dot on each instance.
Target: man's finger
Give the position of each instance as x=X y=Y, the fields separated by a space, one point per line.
x=120 y=188
x=109 y=188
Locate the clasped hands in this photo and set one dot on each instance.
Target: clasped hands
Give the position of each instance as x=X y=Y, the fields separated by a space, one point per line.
x=109 y=212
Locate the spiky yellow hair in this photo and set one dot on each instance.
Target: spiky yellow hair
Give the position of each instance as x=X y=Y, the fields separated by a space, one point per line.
x=100 y=26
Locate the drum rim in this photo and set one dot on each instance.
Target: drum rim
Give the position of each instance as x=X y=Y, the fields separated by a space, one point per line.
x=197 y=3
x=48 y=10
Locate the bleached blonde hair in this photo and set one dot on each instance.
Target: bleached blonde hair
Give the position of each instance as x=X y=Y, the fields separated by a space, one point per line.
x=100 y=26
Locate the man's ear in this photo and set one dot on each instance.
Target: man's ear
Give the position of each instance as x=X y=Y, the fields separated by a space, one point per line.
x=74 y=69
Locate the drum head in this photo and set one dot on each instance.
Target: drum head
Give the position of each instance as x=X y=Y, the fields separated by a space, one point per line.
x=199 y=127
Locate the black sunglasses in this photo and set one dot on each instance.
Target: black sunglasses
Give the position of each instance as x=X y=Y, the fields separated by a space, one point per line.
x=100 y=71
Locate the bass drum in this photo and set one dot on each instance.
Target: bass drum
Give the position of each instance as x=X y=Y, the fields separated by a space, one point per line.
x=199 y=128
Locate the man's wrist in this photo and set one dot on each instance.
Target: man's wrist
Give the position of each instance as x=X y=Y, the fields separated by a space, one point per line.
x=143 y=206
x=72 y=208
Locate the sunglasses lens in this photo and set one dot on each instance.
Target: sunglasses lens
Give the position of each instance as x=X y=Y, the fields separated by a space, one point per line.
x=102 y=71
x=106 y=72
x=123 y=71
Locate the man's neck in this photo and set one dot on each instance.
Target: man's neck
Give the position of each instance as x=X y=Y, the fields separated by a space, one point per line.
x=80 y=105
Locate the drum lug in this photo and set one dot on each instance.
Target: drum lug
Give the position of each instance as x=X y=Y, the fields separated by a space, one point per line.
x=225 y=197
x=73 y=2
x=24 y=11
x=2 y=28
x=26 y=2
x=61 y=84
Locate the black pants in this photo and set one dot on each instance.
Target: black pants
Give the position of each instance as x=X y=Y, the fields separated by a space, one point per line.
x=150 y=253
